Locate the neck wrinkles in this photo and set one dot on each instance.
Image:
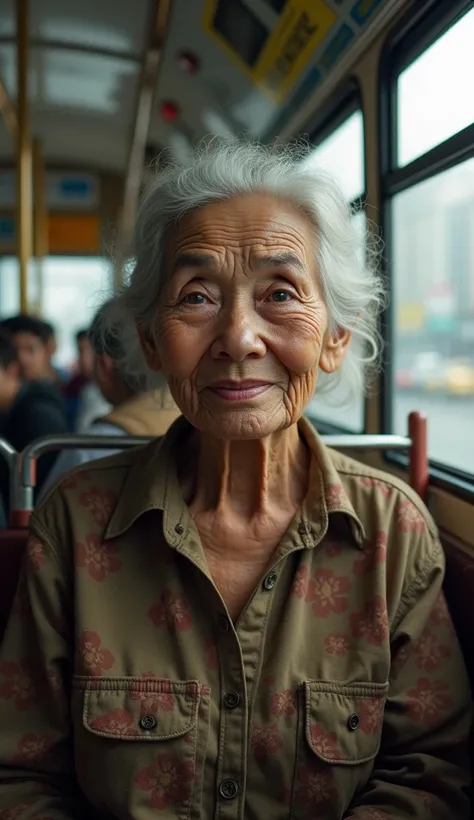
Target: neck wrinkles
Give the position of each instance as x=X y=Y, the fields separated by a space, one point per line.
x=250 y=478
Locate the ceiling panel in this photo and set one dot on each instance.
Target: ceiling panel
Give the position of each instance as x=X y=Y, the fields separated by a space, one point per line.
x=115 y=25
x=85 y=66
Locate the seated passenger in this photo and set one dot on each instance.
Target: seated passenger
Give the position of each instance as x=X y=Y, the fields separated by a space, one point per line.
x=84 y=399
x=135 y=410
x=236 y=621
x=31 y=338
x=28 y=411
x=56 y=374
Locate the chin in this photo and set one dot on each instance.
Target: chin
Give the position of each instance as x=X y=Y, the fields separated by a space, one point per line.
x=243 y=426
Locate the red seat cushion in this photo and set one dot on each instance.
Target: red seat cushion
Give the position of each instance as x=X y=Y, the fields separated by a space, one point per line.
x=12 y=547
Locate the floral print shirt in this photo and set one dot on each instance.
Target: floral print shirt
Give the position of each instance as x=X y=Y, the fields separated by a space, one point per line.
x=126 y=690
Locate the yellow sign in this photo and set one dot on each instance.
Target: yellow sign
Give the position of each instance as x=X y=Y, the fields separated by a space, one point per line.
x=411 y=316
x=284 y=52
x=74 y=234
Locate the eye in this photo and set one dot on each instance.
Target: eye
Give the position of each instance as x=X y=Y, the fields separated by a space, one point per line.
x=194 y=299
x=280 y=295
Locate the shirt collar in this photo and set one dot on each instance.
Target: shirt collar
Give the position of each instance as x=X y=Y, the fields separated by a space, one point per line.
x=152 y=484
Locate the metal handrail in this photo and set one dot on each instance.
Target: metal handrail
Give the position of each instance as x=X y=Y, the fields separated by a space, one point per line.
x=7 y=451
x=24 y=478
x=49 y=444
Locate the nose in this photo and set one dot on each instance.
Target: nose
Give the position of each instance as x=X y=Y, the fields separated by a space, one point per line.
x=239 y=337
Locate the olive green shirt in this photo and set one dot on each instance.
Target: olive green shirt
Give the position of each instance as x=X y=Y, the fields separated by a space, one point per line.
x=126 y=691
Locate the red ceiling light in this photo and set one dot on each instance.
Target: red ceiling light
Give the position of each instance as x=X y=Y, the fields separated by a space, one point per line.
x=169 y=111
x=188 y=62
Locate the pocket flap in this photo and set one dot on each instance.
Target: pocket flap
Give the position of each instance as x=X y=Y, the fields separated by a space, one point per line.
x=139 y=708
x=344 y=721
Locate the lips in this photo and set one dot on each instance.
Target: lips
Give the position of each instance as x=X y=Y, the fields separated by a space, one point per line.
x=240 y=391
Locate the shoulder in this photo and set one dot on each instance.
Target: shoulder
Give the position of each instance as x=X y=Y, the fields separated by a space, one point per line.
x=395 y=519
x=373 y=491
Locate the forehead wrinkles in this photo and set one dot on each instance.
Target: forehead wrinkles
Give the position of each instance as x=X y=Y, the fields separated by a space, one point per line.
x=217 y=229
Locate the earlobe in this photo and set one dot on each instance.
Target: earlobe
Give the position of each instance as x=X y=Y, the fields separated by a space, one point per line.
x=150 y=352
x=334 y=349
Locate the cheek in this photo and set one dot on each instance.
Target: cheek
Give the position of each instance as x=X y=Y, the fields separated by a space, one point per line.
x=180 y=349
x=301 y=341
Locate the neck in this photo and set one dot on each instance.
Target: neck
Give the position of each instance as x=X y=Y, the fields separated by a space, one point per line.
x=249 y=478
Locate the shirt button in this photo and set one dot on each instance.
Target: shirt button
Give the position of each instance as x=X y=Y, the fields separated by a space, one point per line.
x=231 y=699
x=224 y=625
x=353 y=723
x=270 y=581
x=179 y=529
x=148 y=722
x=229 y=789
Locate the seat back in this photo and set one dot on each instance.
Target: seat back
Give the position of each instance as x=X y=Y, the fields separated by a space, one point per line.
x=12 y=548
x=459 y=592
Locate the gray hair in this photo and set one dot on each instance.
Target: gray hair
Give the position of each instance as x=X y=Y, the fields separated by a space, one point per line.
x=223 y=169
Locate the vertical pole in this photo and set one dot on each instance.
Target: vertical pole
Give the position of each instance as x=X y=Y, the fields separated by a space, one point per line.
x=419 y=464
x=24 y=192
x=40 y=216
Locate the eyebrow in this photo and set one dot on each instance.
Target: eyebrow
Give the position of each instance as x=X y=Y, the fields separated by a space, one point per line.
x=280 y=260
x=200 y=261
x=192 y=260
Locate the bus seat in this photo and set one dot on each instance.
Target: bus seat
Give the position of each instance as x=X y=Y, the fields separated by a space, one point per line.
x=459 y=591
x=12 y=547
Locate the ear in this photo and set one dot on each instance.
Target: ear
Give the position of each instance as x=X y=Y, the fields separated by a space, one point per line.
x=334 y=349
x=152 y=357
x=104 y=365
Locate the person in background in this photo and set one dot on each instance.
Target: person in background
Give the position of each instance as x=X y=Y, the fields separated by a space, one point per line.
x=29 y=410
x=83 y=398
x=57 y=374
x=32 y=341
x=135 y=411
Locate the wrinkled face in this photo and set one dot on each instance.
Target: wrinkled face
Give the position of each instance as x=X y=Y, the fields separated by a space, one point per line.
x=32 y=355
x=242 y=325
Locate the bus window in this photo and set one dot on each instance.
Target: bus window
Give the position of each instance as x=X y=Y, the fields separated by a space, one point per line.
x=432 y=248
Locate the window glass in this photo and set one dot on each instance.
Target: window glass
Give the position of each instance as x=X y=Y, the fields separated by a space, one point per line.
x=433 y=302
x=337 y=407
x=72 y=289
x=435 y=95
x=342 y=155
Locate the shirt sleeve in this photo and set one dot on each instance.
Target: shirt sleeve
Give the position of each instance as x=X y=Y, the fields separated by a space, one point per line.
x=37 y=778
x=422 y=769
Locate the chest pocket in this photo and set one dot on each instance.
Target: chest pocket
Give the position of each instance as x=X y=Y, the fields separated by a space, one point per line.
x=341 y=728
x=140 y=744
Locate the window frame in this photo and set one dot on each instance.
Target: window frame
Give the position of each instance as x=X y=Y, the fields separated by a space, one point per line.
x=417 y=31
x=346 y=101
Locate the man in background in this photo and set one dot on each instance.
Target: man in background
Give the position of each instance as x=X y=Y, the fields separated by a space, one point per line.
x=30 y=337
x=28 y=410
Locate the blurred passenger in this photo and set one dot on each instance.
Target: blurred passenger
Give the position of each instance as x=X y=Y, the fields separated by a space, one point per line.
x=30 y=336
x=136 y=411
x=57 y=374
x=29 y=410
x=83 y=397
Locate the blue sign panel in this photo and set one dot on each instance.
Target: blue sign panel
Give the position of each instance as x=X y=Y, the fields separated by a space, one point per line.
x=336 y=46
x=364 y=9
x=7 y=229
x=77 y=187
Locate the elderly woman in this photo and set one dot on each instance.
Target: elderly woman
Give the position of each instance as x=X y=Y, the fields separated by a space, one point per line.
x=235 y=622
